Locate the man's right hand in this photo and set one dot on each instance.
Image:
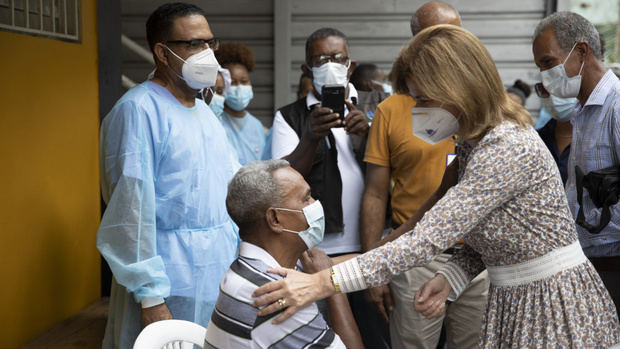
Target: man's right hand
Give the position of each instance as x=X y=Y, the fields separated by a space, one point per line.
x=322 y=120
x=381 y=298
x=156 y=313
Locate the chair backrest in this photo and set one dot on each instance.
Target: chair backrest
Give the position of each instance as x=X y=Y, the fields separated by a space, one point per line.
x=171 y=334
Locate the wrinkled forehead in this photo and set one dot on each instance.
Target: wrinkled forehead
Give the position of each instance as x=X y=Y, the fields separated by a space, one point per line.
x=328 y=46
x=546 y=45
x=193 y=26
x=290 y=182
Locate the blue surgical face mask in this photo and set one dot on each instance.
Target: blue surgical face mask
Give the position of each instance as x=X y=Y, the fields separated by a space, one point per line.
x=316 y=224
x=387 y=87
x=560 y=109
x=558 y=83
x=217 y=105
x=238 y=97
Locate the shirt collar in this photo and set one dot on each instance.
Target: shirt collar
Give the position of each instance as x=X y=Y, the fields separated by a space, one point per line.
x=602 y=89
x=249 y=250
x=311 y=99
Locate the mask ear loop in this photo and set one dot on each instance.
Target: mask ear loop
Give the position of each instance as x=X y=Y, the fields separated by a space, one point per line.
x=569 y=52
x=204 y=95
x=580 y=69
x=180 y=76
x=288 y=209
x=567 y=57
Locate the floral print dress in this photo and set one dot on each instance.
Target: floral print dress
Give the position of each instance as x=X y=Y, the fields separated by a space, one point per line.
x=509 y=206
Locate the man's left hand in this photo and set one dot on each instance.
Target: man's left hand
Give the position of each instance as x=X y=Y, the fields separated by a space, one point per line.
x=356 y=122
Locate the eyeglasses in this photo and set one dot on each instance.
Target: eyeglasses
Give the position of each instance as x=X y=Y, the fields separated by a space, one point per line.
x=195 y=44
x=340 y=58
x=541 y=91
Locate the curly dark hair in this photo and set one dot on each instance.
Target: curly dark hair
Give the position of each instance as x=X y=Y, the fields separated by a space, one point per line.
x=235 y=53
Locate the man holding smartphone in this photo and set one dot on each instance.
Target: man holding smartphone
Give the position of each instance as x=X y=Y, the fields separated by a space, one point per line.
x=325 y=147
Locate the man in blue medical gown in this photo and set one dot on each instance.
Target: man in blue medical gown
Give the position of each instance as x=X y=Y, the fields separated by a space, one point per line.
x=165 y=167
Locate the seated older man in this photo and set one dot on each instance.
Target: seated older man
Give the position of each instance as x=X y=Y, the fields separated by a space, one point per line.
x=279 y=222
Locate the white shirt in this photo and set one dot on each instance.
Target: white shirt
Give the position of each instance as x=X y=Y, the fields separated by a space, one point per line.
x=285 y=140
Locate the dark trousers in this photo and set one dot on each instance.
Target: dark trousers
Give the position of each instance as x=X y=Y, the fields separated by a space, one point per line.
x=609 y=270
x=374 y=331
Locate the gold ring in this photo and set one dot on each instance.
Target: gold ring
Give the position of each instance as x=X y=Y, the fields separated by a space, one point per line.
x=282 y=302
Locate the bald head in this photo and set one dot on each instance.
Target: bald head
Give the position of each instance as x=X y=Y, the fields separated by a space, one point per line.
x=433 y=13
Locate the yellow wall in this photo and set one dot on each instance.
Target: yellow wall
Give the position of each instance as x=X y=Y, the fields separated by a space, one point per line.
x=49 y=183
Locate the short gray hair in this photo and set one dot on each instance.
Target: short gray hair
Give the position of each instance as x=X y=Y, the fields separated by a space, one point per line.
x=570 y=28
x=252 y=191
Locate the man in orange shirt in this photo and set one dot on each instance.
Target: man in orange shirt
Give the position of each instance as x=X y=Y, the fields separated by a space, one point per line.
x=416 y=168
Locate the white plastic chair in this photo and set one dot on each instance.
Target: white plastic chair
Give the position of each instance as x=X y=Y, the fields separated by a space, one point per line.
x=171 y=334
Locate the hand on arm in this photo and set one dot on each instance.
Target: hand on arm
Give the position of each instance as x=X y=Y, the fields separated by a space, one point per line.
x=321 y=121
x=460 y=269
x=338 y=305
x=430 y=300
x=297 y=289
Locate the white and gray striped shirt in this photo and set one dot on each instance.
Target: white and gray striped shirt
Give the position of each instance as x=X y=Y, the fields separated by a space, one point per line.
x=235 y=323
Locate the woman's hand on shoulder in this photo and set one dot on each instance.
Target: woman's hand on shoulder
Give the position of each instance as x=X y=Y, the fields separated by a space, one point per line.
x=296 y=291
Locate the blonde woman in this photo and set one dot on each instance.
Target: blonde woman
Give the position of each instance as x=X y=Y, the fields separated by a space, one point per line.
x=503 y=196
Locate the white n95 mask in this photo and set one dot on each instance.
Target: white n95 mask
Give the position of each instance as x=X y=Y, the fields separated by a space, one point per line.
x=199 y=70
x=558 y=83
x=560 y=109
x=316 y=224
x=330 y=73
x=433 y=125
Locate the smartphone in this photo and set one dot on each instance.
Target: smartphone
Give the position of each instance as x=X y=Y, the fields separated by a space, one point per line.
x=332 y=96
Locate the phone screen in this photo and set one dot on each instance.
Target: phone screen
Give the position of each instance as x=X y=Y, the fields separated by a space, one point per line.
x=332 y=96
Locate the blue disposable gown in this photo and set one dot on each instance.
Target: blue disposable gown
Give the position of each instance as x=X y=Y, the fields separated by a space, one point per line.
x=247 y=135
x=165 y=233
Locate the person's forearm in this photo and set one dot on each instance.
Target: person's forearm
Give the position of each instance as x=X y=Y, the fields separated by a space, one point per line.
x=302 y=157
x=344 y=257
x=412 y=221
x=342 y=321
x=450 y=178
x=372 y=219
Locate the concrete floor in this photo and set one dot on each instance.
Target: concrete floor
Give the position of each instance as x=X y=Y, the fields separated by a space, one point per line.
x=84 y=330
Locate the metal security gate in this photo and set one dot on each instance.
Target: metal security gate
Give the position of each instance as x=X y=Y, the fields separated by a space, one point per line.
x=276 y=31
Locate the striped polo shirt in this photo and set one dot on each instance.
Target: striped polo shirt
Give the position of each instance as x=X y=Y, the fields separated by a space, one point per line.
x=235 y=323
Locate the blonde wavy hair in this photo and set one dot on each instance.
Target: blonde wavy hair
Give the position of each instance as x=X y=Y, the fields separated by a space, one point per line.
x=450 y=65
